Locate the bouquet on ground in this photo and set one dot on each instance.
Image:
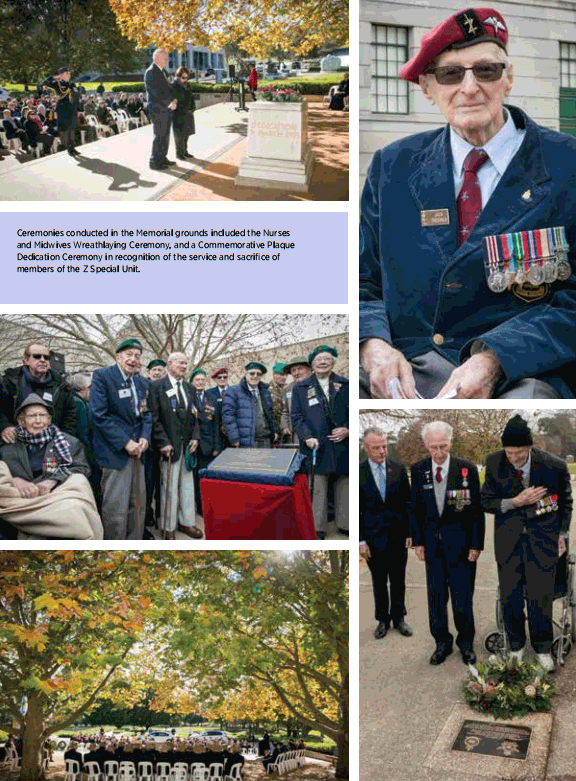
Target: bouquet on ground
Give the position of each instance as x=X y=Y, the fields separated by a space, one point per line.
x=280 y=95
x=507 y=688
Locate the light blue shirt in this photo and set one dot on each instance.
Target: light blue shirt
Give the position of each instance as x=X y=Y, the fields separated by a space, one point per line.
x=379 y=475
x=500 y=150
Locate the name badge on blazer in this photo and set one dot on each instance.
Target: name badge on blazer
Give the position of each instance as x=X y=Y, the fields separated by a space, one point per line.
x=171 y=392
x=311 y=402
x=124 y=393
x=427 y=487
x=429 y=218
x=47 y=396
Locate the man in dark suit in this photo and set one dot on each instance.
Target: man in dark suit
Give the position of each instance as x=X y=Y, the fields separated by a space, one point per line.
x=160 y=97
x=384 y=531
x=220 y=377
x=176 y=434
x=448 y=534
x=121 y=431
x=528 y=491
x=210 y=443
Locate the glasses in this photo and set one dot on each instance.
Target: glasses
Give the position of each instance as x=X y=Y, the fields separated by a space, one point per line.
x=39 y=356
x=454 y=74
x=37 y=416
x=254 y=374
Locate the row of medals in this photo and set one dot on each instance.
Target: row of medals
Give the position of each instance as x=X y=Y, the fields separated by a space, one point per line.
x=542 y=270
x=461 y=502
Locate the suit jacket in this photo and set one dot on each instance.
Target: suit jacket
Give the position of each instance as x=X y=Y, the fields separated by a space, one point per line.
x=210 y=439
x=216 y=396
x=502 y=482
x=172 y=426
x=159 y=91
x=113 y=417
x=446 y=291
x=15 y=456
x=312 y=418
x=461 y=530
x=384 y=524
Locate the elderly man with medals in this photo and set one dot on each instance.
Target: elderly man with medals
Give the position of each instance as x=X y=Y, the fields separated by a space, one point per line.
x=66 y=106
x=528 y=491
x=467 y=287
x=448 y=534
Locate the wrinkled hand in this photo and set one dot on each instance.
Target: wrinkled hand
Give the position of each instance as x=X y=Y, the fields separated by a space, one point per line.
x=286 y=432
x=173 y=105
x=25 y=489
x=167 y=451
x=131 y=447
x=383 y=363
x=142 y=446
x=473 y=555
x=9 y=435
x=529 y=496
x=561 y=546
x=45 y=486
x=338 y=434
x=276 y=437
x=312 y=443
x=476 y=378
x=235 y=444
x=364 y=551
x=420 y=552
x=193 y=445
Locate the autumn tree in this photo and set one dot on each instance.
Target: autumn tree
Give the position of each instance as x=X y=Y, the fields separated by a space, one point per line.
x=297 y=25
x=68 y=620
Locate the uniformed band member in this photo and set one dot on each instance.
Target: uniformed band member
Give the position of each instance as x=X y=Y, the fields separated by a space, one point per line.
x=320 y=415
x=299 y=369
x=384 y=531
x=528 y=491
x=66 y=106
x=467 y=233
x=176 y=435
x=448 y=534
x=121 y=429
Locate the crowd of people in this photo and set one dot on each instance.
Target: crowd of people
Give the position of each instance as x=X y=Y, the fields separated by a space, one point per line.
x=34 y=120
x=440 y=514
x=111 y=453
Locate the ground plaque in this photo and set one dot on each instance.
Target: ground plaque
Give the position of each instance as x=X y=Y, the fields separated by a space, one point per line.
x=473 y=745
x=495 y=740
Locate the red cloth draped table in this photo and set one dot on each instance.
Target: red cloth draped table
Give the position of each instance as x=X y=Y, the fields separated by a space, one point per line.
x=254 y=511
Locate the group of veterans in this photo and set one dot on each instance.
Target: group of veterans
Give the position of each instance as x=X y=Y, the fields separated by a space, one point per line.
x=189 y=752
x=439 y=513
x=103 y=455
x=467 y=236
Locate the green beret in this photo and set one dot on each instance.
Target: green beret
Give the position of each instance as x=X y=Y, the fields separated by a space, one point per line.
x=128 y=344
x=322 y=349
x=255 y=365
x=156 y=362
x=197 y=371
x=278 y=368
x=300 y=360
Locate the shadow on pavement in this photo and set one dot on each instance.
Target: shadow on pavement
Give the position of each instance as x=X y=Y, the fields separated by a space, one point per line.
x=123 y=178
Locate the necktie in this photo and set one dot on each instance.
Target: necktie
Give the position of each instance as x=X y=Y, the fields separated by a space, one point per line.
x=179 y=395
x=438 y=474
x=381 y=480
x=469 y=202
x=520 y=474
x=134 y=395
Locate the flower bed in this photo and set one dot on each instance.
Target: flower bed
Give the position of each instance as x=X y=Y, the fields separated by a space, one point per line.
x=508 y=689
x=280 y=95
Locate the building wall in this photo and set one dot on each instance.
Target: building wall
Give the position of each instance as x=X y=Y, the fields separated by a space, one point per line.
x=535 y=30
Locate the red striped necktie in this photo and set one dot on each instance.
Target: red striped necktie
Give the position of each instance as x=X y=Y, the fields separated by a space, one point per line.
x=469 y=201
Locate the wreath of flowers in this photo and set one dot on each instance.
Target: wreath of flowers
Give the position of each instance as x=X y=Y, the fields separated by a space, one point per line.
x=280 y=95
x=508 y=688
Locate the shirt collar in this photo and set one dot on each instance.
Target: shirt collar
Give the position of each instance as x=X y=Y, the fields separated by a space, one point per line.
x=444 y=467
x=526 y=468
x=173 y=380
x=500 y=149
x=375 y=467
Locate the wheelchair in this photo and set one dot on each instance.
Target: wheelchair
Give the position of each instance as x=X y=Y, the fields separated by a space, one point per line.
x=563 y=615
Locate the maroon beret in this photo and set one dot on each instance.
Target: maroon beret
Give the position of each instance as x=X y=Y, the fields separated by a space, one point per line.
x=465 y=28
x=218 y=371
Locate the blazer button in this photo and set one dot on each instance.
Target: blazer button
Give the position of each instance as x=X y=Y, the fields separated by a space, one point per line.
x=438 y=339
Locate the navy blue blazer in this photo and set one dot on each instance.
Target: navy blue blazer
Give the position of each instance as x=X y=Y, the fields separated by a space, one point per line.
x=384 y=524
x=461 y=530
x=113 y=417
x=418 y=281
x=502 y=482
x=310 y=418
x=159 y=91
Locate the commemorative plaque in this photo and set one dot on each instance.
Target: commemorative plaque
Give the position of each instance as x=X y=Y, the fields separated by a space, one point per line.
x=494 y=740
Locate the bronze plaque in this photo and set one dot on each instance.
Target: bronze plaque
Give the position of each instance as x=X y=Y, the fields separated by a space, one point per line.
x=493 y=739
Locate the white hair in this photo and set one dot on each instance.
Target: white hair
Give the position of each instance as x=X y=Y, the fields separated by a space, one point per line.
x=80 y=381
x=437 y=427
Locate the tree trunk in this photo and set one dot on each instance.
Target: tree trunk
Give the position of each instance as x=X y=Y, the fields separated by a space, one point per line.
x=32 y=769
x=342 y=760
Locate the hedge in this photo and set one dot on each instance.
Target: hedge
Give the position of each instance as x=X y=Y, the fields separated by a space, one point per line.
x=307 y=87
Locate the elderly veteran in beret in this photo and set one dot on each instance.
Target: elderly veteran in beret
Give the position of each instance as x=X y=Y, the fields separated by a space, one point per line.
x=528 y=491
x=220 y=377
x=299 y=369
x=466 y=268
x=157 y=369
x=44 y=491
x=121 y=430
x=247 y=410
x=320 y=418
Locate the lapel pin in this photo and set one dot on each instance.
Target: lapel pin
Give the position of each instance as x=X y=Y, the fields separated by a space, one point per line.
x=527 y=195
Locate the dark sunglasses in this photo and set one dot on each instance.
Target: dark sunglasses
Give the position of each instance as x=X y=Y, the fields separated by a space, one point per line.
x=39 y=356
x=454 y=74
